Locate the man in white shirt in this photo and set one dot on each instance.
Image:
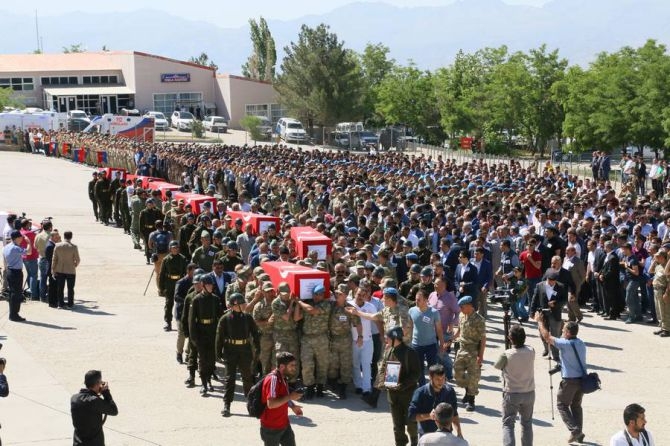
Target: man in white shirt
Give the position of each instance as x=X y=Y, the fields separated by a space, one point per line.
x=634 y=434
x=363 y=347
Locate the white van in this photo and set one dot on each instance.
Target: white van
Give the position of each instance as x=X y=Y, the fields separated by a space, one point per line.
x=346 y=127
x=290 y=129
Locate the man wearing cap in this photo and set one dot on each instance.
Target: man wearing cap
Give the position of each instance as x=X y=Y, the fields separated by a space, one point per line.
x=414 y=279
x=174 y=216
x=236 y=230
x=340 y=328
x=314 y=342
x=231 y=258
x=203 y=316
x=204 y=224
x=181 y=290
x=425 y=284
x=103 y=195
x=121 y=202
x=185 y=233
x=261 y=309
x=172 y=269
x=148 y=218
x=137 y=205
x=240 y=283
x=204 y=254
x=285 y=314
x=13 y=255
x=234 y=329
x=114 y=187
x=443 y=415
x=192 y=359
x=91 y=195
x=471 y=335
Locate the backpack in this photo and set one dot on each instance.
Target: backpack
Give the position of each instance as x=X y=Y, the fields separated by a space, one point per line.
x=255 y=404
x=162 y=242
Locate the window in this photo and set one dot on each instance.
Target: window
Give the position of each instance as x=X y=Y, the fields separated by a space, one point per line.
x=18 y=83
x=88 y=80
x=70 y=80
x=169 y=102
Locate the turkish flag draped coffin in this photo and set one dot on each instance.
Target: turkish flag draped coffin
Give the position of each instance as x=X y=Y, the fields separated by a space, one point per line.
x=195 y=200
x=301 y=279
x=308 y=239
x=146 y=181
x=163 y=188
x=110 y=173
x=259 y=222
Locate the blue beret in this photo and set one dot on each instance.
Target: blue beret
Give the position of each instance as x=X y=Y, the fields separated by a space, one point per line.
x=464 y=300
x=318 y=289
x=390 y=291
x=412 y=256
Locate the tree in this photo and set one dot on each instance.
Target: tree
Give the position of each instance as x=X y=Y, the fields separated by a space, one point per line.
x=7 y=99
x=75 y=48
x=320 y=80
x=203 y=59
x=375 y=65
x=261 y=64
x=251 y=124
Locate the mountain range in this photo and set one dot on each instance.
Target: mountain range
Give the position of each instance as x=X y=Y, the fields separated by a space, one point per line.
x=429 y=36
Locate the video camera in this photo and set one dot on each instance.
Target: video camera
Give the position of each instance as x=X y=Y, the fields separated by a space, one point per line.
x=504 y=296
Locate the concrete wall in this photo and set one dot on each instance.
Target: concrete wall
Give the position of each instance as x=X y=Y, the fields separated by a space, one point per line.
x=243 y=91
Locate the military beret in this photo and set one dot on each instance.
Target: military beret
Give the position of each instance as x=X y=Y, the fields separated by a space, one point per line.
x=390 y=291
x=465 y=300
x=318 y=289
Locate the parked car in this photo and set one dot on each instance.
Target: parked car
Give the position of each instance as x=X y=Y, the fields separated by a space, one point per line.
x=160 y=122
x=341 y=139
x=290 y=129
x=78 y=114
x=366 y=139
x=215 y=124
x=182 y=120
x=77 y=124
x=265 y=127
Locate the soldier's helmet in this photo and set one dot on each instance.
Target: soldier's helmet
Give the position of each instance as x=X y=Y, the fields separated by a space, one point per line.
x=236 y=299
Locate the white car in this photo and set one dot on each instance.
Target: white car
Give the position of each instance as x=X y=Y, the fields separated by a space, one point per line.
x=78 y=114
x=290 y=129
x=215 y=124
x=160 y=122
x=182 y=120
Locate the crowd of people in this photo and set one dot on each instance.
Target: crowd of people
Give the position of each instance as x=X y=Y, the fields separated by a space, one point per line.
x=419 y=243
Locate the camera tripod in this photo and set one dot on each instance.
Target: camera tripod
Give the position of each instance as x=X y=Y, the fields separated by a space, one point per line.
x=507 y=322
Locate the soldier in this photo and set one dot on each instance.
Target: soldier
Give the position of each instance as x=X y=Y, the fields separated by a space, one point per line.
x=196 y=238
x=181 y=289
x=103 y=195
x=314 y=346
x=91 y=195
x=254 y=285
x=392 y=315
x=148 y=218
x=340 y=326
x=114 y=186
x=232 y=344
x=236 y=231
x=204 y=255
x=425 y=283
x=285 y=313
x=204 y=313
x=185 y=233
x=261 y=309
x=231 y=258
x=121 y=203
x=159 y=245
x=192 y=361
x=471 y=335
x=240 y=283
x=137 y=204
x=174 y=216
x=173 y=267
x=414 y=279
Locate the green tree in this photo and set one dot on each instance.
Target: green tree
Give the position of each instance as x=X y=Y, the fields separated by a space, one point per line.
x=203 y=59
x=74 y=48
x=251 y=124
x=261 y=64
x=7 y=99
x=320 y=79
x=375 y=65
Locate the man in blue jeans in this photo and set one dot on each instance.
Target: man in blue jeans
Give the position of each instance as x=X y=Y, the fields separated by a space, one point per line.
x=426 y=329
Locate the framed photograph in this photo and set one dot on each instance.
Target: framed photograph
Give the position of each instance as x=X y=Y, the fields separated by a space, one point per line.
x=392 y=374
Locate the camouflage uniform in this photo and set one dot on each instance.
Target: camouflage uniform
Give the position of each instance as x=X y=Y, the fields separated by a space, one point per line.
x=314 y=346
x=397 y=316
x=341 y=351
x=284 y=332
x=660 y=284
x=262 y=312
x=236 y=287
x=472 y=329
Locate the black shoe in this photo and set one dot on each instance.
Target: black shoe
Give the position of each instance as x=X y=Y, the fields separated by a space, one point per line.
x=658 y=332
x=359 y=390
x=555 y=369
x=342 y=391
x=664 y=334
x=545 y=353
x=470 y=405
x=190 y=381
x=309 y=392
x=319 y=390
x=371 y=398
x=226 y=410
x=180 y=358
x=652 y=322
x=167 y=326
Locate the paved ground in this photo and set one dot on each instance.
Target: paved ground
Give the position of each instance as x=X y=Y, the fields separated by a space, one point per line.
x=116 y=329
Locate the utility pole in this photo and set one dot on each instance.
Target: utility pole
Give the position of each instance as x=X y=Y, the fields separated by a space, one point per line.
x=37 y=33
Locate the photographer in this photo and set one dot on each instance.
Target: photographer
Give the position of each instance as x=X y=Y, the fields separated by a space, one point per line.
x=517 y=365
x=569 y=397
x=635 y=433
x=549 y=298
x=89 y=410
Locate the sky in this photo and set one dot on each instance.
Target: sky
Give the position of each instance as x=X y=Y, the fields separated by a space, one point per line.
x=224 y=13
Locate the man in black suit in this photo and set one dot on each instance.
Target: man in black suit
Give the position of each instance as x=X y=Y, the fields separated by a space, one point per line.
x=466 y=276
x=610 y=280
x=550 y=297
x=594 y=268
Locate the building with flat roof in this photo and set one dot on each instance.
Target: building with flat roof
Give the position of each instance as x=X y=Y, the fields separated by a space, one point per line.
x=106 y=82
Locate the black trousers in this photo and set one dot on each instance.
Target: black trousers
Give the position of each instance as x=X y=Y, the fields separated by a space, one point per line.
x=95 y=208
x=236 y=357
x=52 y=291
x=61 y=280
x=15 y=284
x=206 y=358
x=399 y=403
x=376 y=354
x=278 y=437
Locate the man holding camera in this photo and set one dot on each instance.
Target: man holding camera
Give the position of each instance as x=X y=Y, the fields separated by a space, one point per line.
x=549 y=298
x=89 y=411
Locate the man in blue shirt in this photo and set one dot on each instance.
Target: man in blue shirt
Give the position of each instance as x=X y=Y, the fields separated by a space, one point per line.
x=573 y=356
x=13 y=254
x=428 y=396
x=427 y=329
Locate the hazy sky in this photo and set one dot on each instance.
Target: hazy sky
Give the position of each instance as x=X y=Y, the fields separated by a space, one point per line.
x=223 y=13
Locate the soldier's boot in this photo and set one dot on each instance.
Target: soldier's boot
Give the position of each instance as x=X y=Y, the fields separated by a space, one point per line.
x=319 y=390
x=167 y=326
x=371 y=398
x=209 y=382
x=190 y=381
x=342 y=391
x=226 y=410
x=180 y=358
x=309 y=392
x=470 y=405
x=203 y=389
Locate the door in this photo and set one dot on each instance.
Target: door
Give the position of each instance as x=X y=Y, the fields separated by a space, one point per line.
x=71 y=102
x=108 y=104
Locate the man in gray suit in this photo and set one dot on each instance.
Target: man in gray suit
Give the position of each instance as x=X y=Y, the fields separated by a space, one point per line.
x=575 y=266
x=64 y=268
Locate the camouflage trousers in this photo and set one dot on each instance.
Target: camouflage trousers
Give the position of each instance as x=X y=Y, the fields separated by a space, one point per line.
x=662 y=309
x=267 y=353
x=314 y=357
x=341 y=359
x=466 y=370
x=287 y=341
